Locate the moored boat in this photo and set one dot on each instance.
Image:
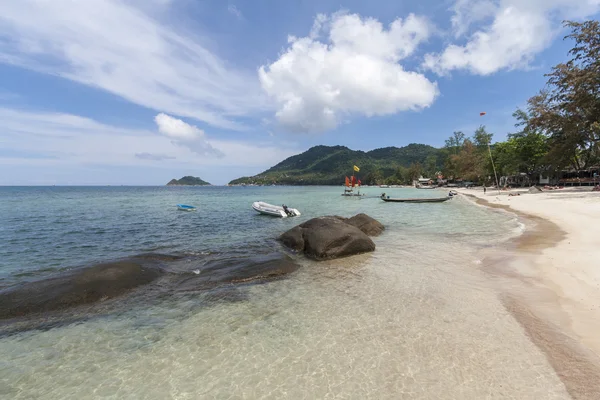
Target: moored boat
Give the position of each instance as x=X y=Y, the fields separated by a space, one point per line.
x=282 y=211
x=351 y=183
x=415 y=200
x=185 y=207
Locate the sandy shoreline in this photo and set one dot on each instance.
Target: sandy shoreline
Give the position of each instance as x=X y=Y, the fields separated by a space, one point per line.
x=549 y=278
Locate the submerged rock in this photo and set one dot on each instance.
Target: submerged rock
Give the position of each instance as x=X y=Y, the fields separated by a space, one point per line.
x=81 y=286
x=330 y=237
x=108 y=287
x=236 y=270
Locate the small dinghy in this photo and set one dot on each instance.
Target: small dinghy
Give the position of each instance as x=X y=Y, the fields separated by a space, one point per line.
x=185 y=207
x=275 y=211
x=415 y=200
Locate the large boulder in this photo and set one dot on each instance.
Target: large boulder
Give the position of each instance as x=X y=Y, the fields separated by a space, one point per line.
x=327 y=238
x=368 y=225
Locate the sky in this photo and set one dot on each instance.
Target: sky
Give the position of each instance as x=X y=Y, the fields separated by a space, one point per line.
x=137 y=92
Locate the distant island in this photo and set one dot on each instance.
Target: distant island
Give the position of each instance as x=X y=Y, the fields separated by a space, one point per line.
x=329 y=165
x=188 y=181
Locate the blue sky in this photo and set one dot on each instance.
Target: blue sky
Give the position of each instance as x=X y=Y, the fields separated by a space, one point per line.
x=141 y=91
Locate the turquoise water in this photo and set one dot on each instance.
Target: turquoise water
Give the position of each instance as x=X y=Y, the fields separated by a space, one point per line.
x=51 y=228
x=417 y=318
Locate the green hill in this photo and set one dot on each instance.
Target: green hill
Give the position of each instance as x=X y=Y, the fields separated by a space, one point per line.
x=188 y=181
x=329 y=165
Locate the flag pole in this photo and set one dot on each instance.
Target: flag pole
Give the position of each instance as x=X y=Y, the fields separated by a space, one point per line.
x=494 y=167
x=481 y=114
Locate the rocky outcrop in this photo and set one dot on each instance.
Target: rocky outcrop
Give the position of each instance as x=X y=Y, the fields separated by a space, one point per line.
x=332 y=237
x=81 y=286
x=159 y=274
x=233 y=270
x=370 y=226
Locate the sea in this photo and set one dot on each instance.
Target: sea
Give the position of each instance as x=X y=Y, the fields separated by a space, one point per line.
x=416 y=319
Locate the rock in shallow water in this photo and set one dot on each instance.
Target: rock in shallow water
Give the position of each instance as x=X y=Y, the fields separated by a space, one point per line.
x=332 y=237
x=368 y=225
x=89 y=285
x=81 y=286
x=232 y=270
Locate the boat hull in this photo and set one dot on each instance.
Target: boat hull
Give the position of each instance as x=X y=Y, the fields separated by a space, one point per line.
x=434 y=200
x=183 y=207
x=273 y=211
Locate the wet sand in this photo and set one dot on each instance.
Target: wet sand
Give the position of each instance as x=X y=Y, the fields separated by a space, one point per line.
x=549 y=279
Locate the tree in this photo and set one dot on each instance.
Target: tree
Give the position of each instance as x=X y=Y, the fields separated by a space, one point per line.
x=468 y=162
x=455 y=142
x=430 y=165
x=481 y=138
x=568 y=110
x=401 y=175
x=414 y=171
x=530 y=146
x=505 y=158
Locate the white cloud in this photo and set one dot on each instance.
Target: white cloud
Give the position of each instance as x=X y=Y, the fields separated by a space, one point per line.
x=68 y=140
x=186 y=135
x=355 y=71
x=235 y=11
x=468 y=12
x=518 y=31
x=119 y=47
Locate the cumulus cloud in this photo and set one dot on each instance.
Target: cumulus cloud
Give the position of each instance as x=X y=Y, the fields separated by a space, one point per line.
x=517 y=31
x=153 y=157
x=354 y=70
x=186 y=135
x=122 y=47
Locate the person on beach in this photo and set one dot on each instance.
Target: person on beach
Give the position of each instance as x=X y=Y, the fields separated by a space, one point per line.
x=484 y=189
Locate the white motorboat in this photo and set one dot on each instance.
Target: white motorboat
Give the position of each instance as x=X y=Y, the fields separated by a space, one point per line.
x=275 y=211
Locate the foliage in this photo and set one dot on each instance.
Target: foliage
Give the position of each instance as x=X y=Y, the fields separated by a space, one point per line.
x=469 y=160
x=329 y=165
x=567 y=111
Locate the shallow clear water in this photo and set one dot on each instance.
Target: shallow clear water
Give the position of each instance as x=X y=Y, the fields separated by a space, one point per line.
x=415 y=319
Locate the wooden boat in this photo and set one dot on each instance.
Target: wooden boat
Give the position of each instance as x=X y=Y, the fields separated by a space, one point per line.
x=350 y=184
x=350 y=192
x=415 y=200
x=275 y=211
x=185 y=207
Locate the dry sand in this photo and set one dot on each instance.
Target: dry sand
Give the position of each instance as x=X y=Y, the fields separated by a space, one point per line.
x=549 y=278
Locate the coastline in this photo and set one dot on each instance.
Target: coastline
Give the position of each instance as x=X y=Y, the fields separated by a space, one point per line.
x=548 y=280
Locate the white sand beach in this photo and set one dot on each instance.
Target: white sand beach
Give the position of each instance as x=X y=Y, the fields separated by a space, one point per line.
x=550 y=277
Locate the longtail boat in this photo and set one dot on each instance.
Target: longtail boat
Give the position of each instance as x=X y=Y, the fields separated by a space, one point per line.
x=416 y=200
